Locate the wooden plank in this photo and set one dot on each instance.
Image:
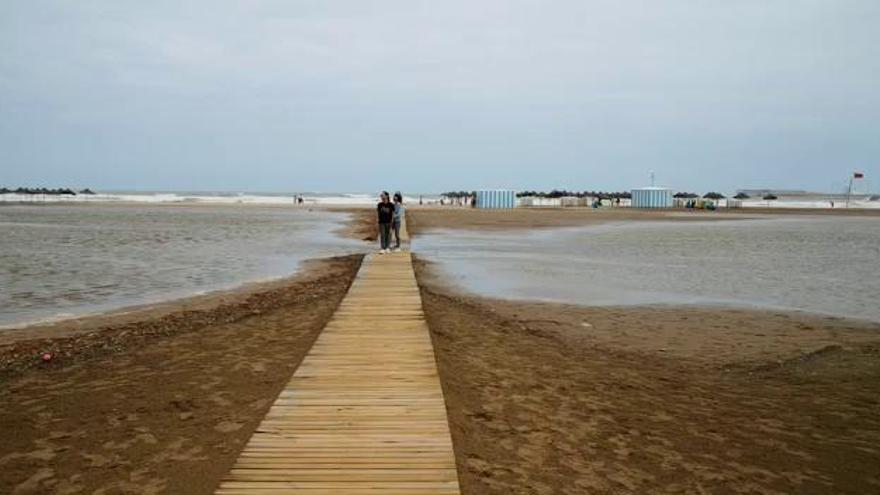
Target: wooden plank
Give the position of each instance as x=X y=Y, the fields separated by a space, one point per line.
x=364 y=413
x=348 y=488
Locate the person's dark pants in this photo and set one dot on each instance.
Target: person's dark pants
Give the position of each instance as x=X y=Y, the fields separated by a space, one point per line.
x=395 y=226
x=385 y=235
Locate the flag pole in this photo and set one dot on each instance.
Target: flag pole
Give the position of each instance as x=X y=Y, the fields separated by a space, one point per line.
x=849 y=192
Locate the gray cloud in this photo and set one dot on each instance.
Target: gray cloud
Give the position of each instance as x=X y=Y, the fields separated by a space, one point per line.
x=434 y=95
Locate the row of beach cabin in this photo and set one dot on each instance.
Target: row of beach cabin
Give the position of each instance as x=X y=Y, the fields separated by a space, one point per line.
x=653 y=197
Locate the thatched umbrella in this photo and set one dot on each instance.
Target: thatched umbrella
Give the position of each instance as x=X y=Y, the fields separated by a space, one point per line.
x=87 y=191
x=687 y=197
x=66 y=192
x=26 y=191
x=742 y=196
x=714 y=196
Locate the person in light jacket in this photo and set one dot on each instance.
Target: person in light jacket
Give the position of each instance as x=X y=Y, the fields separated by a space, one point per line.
x=397 y=221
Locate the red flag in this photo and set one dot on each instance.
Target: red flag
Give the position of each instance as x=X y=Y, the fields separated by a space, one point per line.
x=858 y=175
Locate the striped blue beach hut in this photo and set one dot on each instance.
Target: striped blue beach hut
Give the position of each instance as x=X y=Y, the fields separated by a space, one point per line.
x=652 y=197
x=496 y=198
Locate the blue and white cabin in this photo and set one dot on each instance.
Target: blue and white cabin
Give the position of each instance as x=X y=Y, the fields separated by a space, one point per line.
x=652 y=197
x=496 y=199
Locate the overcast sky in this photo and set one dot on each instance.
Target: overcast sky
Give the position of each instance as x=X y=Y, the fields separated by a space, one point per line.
x=430 y=96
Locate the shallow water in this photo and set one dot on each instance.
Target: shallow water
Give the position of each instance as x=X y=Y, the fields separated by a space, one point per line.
x=814 y=264
x=58 y=261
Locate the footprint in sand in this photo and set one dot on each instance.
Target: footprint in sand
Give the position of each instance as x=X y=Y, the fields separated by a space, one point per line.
x=34 y=484
x=70 y=486
x=228 y=426
x=217 y=398
x=147 y=438
x=96 y=460
x=479 y=466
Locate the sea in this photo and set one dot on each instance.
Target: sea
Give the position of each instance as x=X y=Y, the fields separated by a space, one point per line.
x=65 y=260
x=814 y=264
x=218 y=198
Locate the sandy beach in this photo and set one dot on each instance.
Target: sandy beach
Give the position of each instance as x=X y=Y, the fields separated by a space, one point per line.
x=550 y=398
x=546 y=398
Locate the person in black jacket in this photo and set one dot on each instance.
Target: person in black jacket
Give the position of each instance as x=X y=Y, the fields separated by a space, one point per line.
x=385 y=209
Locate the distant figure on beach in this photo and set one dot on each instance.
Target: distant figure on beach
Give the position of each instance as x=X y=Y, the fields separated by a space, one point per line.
x=399 y=211
x=385 y=209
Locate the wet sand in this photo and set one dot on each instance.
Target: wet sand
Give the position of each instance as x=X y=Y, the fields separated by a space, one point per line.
x=361 y=224
x=547 y=398
x=162 y=400
x=424 y=219
x=427 y=218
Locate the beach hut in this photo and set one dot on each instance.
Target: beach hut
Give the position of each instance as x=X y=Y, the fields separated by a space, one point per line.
x=535 y=201
x=496 y=199
x=652 y=197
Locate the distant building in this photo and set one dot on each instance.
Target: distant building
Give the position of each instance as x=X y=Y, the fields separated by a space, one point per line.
x=652 y=197
x=535 y=201
x=496 y=199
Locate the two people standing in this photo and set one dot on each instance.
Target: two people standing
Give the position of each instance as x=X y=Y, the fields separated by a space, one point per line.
x=391 y=216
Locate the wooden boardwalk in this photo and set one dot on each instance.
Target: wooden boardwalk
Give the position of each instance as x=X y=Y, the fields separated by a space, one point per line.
x=364 y=413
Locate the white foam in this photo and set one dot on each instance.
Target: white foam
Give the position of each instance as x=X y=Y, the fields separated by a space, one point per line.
x=341 y=199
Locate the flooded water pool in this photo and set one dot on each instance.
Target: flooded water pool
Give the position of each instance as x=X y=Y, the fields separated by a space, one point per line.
x=815 y=264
